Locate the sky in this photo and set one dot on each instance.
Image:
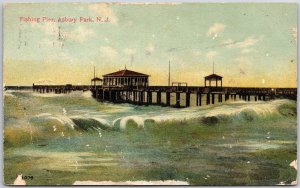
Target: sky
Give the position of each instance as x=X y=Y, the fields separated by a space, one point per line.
x=251 y=45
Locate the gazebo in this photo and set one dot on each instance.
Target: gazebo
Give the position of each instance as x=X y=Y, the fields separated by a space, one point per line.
x=213 y=78
x=95 y=80
x=125 y=78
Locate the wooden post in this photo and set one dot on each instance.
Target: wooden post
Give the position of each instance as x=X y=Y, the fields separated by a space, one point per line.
x=109 y=95
x=126 y=95
x=226 y=97
x=142 y=93
x=255 y=98
x=140 y=99
x=208 y=99
x=234 y=97
x=213 y=98
x=177 y=99
x=168 y=97
x=149 y=93
x=200 y=99
x=187 y=99
x=248 y=97
x=134 y=96
x=103 y=95
x=220 y=98
x=197 y=98
x=158 y=98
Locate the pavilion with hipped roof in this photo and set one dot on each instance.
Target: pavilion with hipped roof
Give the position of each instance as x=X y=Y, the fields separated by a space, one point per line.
x=95 y=80
x=213 y=78
x=125 y=77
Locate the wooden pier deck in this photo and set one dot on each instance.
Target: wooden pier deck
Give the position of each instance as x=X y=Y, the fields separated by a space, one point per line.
x=174 y=96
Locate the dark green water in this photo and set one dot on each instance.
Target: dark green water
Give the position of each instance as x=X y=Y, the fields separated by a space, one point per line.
x=59 y=139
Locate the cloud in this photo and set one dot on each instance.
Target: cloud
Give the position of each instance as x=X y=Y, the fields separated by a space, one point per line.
x=215 y=29
x=211 y=54
x=149 y=49
x=104 y=10
x=229 y=43
x=108 y=51
x=247 y=50
x=249 y=41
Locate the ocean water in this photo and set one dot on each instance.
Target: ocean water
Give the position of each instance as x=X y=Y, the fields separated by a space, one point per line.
x=62 y=138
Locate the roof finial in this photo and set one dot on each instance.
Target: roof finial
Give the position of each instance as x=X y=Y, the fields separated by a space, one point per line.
x=125 y=67
x=213 y=67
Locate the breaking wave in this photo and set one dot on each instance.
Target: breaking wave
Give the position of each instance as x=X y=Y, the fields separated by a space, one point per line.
x=81 y=120
x=235 y=111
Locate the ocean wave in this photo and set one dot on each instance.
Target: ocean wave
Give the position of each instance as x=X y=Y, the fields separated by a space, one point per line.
x=63 y=124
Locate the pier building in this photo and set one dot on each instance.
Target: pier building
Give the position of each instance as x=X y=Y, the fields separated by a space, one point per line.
x=125 y=77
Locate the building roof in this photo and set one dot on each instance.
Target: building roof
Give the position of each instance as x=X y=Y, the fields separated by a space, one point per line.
x=126 y=73
x=96 y=79
x=213 y=76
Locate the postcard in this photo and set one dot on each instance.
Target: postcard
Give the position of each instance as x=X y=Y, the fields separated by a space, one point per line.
x=150 y=94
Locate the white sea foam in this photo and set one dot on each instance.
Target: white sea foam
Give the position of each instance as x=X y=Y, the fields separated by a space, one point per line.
x=138 y=120
x=64 y=111
x=9 y=94
x=102 y=121
x=87 y=94
x=47 y=95
x=63 y=120
x=43 y=115
x=119 y=118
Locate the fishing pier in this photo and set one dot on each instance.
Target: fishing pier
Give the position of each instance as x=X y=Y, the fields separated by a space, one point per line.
x=126 y=86
x=183 y=96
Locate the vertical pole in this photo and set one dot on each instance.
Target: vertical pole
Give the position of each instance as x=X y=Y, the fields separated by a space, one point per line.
x=142 y=93
x=168 y=97
x=133 y=95
x=207 y=98
x=197 y=98
x=177 y=99
x=169 y=80
x=94 y=77
x=212 y=98
x=226 y=97
x=200 y=99
x=187 y=99
x=150 y=97
x=158 y=97
x=220 y=98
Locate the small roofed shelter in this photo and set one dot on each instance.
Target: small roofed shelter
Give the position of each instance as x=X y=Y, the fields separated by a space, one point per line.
x=96 y=80
x=125 y=78
x=211 y=79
